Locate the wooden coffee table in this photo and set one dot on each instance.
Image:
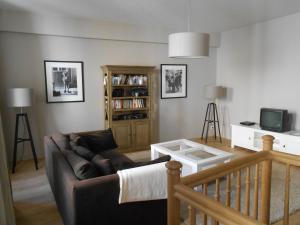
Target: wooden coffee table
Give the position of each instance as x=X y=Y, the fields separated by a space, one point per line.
x=193 y=156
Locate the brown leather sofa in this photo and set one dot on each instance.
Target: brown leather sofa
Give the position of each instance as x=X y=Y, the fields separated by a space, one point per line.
x=95 y=201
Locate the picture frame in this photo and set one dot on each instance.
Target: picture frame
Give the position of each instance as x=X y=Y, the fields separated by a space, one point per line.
x=173 y=81
x=64 y=81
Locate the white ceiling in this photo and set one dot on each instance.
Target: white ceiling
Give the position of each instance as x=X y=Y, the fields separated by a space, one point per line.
x=207 y=15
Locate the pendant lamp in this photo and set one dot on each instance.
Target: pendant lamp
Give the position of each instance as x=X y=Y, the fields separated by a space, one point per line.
x=189 y=44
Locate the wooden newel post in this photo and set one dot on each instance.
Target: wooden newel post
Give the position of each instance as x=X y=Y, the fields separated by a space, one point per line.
x=174 y=170
x=266 y=181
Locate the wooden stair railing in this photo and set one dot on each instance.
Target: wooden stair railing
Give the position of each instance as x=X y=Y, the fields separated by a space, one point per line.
x=183 y=189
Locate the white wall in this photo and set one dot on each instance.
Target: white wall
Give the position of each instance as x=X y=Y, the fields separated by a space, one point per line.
x=22 y=57
x=16 y=21
x=260 y=66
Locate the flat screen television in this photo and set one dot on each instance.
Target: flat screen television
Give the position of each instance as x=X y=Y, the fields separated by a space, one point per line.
x=274 y=119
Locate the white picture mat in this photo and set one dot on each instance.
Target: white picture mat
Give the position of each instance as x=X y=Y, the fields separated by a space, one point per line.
x=49 y=79
x=183 y=81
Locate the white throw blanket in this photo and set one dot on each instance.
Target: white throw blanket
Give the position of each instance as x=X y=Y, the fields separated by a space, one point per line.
x=143 y=183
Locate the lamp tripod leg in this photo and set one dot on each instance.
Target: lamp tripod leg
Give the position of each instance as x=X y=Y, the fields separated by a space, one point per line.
x=208 y=121
x=218 y=125
x=214 y=113
x=31 y=142
x=204 y=121
x=15 y=143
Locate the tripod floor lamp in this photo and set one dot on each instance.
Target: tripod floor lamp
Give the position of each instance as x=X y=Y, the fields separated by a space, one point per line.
x=211 y=117
x=20 y=98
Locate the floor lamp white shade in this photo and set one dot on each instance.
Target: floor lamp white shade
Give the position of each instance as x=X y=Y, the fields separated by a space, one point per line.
x=214 y=92
x=20 y=97
x=189 y=45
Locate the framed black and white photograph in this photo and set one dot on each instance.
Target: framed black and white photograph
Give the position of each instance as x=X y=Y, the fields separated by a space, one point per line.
x=64 y=81
x=173 y=80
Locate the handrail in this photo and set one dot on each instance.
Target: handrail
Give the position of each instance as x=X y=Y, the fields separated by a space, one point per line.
x=182 y=189
x=222 y=170
x=285 y=158
x=225 y=215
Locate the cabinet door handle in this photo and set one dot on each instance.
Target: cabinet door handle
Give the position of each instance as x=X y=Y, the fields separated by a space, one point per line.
x=284 y=146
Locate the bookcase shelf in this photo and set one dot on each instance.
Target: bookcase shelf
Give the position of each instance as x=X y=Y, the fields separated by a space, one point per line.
x=130 y=97
x=128 y=105
x=128 y=85
x=132 y=109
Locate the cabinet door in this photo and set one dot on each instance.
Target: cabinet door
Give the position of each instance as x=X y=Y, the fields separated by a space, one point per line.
x=242 y=137
x=141 y=134
x=290 y=145
x=122 y=134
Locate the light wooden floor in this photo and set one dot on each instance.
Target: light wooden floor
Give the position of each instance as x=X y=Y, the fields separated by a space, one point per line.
x=33 y=199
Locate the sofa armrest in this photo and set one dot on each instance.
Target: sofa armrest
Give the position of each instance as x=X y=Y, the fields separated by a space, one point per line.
x=95 y=199
x=96 y=202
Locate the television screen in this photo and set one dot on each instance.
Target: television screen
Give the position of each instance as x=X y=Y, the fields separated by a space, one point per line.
x=271 y=119
x=274 y=119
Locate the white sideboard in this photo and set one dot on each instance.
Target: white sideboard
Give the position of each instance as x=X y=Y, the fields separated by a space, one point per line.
x=250 y=137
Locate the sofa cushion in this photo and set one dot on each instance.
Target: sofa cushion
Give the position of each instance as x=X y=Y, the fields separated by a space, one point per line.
x=82 y=168
x=118 y=160
x=104 y=166
x=61 y=141
x=161 y=159
x=74 y=138
x=82 y=151
x=98 y=141
x=78 y=140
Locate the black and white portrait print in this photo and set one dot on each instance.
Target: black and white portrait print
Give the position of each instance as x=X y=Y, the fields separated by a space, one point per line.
x=173 y=81
x=64 y=81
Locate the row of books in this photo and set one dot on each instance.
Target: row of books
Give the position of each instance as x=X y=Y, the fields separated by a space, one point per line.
x=121 y=79
x=128 y=104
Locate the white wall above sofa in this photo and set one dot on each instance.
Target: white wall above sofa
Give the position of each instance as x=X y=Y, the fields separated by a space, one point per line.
x=22 y=56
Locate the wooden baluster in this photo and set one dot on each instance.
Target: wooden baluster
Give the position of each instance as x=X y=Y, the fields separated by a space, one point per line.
x=192 y=215
x=238 y=191
x=247 y=194
x=217 y=196
x=266 y=181
x=174 y=170
x=204 y=215
x=255 y=205
x=217 y=191
x=228 y=190
x=287 y=195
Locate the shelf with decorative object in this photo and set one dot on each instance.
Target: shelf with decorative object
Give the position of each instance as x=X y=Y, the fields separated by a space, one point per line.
x=129 y=105
x=131 y=109
x=128 y=85
x=130 y=97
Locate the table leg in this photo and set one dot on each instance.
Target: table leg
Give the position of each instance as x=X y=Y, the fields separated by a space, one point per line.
x=196 y=169
x=154 y=153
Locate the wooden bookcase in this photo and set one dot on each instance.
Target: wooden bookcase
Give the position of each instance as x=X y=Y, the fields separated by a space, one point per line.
x=129 y=105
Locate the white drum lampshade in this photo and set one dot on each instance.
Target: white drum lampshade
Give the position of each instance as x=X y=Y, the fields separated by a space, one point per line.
x=215 y=92
x=20 y=97
x=189 y=45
